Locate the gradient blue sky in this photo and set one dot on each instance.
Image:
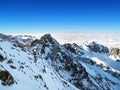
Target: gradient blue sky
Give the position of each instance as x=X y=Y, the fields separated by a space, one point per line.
x=59 y=16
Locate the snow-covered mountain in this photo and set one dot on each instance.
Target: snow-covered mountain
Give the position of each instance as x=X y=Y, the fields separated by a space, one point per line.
x=27 y=62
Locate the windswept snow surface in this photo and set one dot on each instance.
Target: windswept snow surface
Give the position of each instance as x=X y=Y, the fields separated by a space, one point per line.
x=101 y=70
x=25 y=71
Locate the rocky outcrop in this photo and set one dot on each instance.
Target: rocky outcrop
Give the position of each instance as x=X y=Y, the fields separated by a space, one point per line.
x=1 y=58
x=6 y=78
x=115 y=52
x=97 y=48
x=74 y=48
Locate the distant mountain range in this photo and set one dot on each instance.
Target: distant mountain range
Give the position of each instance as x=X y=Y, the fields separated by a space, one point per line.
x=30 y=63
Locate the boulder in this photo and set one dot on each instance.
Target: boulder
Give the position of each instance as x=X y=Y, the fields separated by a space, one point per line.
x=1 y=58
x=6 y=78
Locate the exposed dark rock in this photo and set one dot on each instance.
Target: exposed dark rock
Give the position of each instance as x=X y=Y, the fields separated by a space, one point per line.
x=21 y=67
x=38 y=77
x=97 y=48
x=74 y=48
x=45 y=40
x=13 y=67
x=6 y=78
x=118 y=60
x=33 y=43
x=1 y=58
x=48 y=41
x=115 y=52
x=70 y=48
x=10 y=61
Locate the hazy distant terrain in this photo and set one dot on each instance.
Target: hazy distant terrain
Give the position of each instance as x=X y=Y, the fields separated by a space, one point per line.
x=110 y=39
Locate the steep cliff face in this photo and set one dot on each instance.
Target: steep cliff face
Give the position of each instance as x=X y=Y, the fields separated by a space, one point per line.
x=44 y=64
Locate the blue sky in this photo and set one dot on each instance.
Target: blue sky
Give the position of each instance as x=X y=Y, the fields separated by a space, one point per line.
x=59 y=16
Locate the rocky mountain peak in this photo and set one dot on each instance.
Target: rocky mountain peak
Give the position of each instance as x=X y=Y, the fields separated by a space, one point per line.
x=47 y=65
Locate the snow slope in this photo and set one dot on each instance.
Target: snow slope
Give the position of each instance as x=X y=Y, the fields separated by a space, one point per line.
x=26 y=73
x=42 y=63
